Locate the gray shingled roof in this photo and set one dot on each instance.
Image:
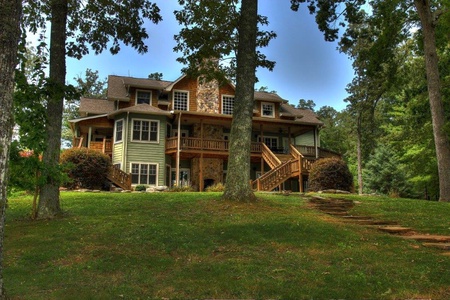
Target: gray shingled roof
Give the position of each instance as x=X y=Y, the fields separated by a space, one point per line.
x=142 y=109
x=94 y=106
x=265 y=96
x=118 y=86
x=303 y=115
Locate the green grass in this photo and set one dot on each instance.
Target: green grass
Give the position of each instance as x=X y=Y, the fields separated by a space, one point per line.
x=193 y=245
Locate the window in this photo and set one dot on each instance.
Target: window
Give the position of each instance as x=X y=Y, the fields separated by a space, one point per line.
x=119 y=131
x=144 y=173
x=180 y=100
x=145 y=131
x=270 y=141
x=143 y=97
x=227 y=105
x=268 y=110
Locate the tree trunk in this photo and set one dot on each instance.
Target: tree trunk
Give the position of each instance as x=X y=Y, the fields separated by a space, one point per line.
x=441 y=139
x=359 y=152
x=49 y=206
x=238 y=177
x=10 y=14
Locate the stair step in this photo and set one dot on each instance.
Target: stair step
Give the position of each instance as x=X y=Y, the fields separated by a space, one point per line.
x=373 y=222
x=395 y=229
x=443 y=246
x=428 y=238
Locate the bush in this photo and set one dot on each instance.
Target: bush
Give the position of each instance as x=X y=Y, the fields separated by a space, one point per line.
x=178 y=189
x=217 y=187
x=86 y=169
x=140 y=188
x=330 y=173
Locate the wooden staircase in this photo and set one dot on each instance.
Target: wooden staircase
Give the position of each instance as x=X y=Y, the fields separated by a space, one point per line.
x=284 y=166
x=119 y=178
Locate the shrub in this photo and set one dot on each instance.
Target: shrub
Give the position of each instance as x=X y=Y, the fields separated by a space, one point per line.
x=217 y=187
x=86 y=169
x=140 y=188
x=184 y=188
x=330 y=173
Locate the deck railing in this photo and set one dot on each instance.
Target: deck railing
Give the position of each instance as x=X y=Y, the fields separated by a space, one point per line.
x=119 y=177
x=190 y=143
x=104 y=146
x=311 y=151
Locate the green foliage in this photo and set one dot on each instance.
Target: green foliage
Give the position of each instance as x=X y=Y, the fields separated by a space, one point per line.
x=384 y=174
x=306 y=104
x=330 y=173
x=216 y=187
x=140 y=188
x=23 y=168
x=209 y=39
x=86 y=169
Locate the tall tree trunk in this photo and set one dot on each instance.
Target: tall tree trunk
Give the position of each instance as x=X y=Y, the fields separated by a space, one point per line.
x=10 y=13
x=49 y=205
x=238 y=177
x=359 y=152
x=441 y=139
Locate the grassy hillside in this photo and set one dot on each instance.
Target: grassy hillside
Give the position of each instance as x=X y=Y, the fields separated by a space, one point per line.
x=193 y=245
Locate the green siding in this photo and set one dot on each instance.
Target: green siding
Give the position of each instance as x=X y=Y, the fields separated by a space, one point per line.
x=142 y=152
x=306 y=139
x=117 y=153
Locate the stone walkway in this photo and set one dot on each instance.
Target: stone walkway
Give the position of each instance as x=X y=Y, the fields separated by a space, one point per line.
x=340 y=208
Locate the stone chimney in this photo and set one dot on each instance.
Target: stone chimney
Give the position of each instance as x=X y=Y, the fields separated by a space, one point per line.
x=208 y=91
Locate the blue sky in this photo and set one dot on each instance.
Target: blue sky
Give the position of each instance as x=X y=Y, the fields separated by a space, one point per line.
x=306 y=66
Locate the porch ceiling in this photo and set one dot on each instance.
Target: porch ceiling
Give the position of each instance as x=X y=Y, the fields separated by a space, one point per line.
x=268 y=125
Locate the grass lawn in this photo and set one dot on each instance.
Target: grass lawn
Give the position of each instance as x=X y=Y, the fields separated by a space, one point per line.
x=193 y=245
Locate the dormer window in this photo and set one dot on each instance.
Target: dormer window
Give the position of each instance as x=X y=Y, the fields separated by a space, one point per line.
x=143 y=97
x=268 y=110
x=227 y=105
x=180 y=100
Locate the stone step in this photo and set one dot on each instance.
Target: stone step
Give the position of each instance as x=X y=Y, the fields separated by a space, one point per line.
x=336 y=213
x=357 y=218
x=428 y=238
x=372 y=222
x=443 y=246
x=395 y=229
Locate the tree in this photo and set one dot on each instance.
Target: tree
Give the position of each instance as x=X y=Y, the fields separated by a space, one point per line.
x=306 y=104
x=91 y=86
x=155 y=76
x=371 y=42
x=92 y=24
x=10 y=15
x=213 y=32
x=237 y=186
x=429 y=14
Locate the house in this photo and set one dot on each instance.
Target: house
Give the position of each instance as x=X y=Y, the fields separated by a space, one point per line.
x=166 y=133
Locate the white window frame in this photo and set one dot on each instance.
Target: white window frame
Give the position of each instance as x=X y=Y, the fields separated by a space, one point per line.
x=268 y=104
x=143 y=91
x=223 y=104
x=269 y=137
x=115 y=131
x=146 y=141
x=182 y=182
x=148 y=172
x=187 y=99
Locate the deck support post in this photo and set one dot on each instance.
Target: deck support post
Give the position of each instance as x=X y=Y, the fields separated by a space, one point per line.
x=200 y=172
x=177 y=170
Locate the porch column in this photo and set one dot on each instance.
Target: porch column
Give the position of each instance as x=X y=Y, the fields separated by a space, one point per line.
x=289 y=137
x=316 y=141
x=89 y=137
x=200 y=171
x=177 y=167
x=262 y=141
